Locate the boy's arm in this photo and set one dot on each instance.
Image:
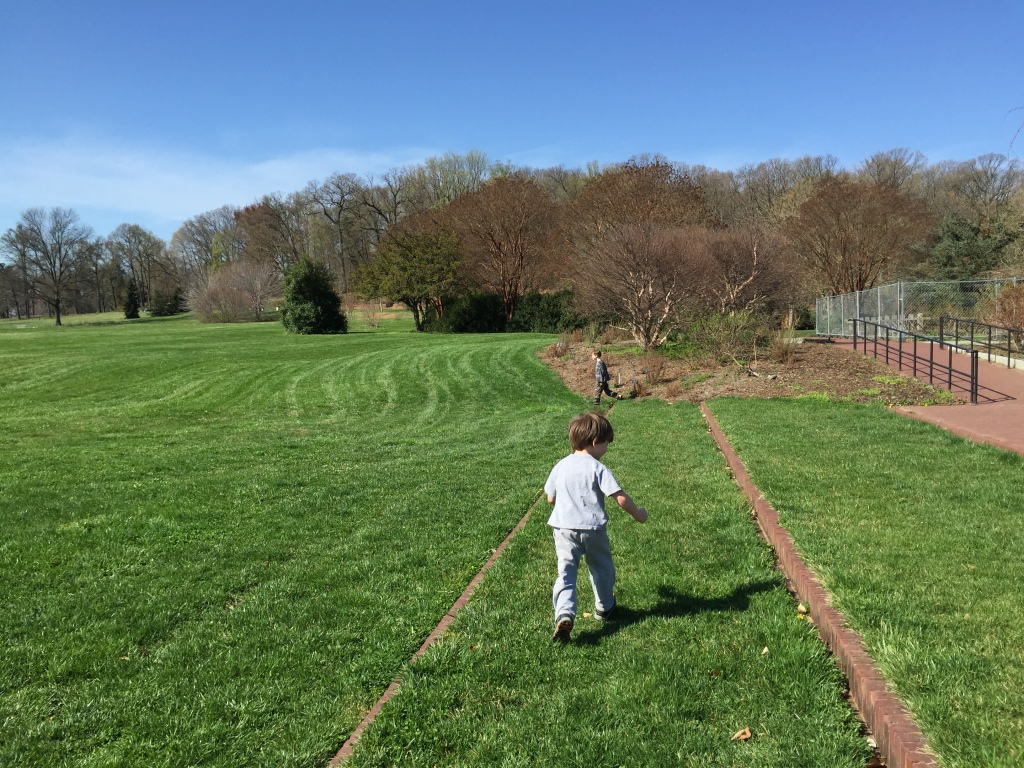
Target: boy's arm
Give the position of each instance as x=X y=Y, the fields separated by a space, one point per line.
x=623 y=500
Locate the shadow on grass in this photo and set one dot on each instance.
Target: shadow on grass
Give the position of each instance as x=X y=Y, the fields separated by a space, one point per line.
x=671 y=604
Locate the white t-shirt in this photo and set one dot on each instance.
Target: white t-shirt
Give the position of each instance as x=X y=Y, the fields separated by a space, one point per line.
x=579 y=484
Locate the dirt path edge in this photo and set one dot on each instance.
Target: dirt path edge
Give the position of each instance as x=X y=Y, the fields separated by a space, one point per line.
x=899 y=740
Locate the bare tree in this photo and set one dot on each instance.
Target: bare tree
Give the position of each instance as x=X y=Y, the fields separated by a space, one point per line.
x=92 y=281
x=630 y=258
x=239 y=291
x=563 y=184
x=274 y=230
x=338 y=201
x=849 y=234
x=742 y=269
x=506 y=229
x=643 y=272
x=259 y=281
x=52 y=243
x=897 y=168
x=762 y=186
x=643 y=190
x=141 y=254
x=385 y=201
x=207 y=240
x=18 y=273
x=987 y=184
x=450 y=176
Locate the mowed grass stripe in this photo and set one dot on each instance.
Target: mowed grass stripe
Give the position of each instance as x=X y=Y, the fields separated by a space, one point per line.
x=224 y=575
x=917 y=534
x=681 y=672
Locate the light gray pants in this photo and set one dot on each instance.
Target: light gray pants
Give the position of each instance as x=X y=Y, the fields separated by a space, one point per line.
x=570 y=545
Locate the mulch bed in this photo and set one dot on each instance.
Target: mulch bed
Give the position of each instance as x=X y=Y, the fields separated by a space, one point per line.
x=815 y=368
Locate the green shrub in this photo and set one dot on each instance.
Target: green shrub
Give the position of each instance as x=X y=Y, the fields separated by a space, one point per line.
x=167 y=305
x=803 y=319
x=546 y=313
x=474 y=312
x=131 y=303
x=311 y=304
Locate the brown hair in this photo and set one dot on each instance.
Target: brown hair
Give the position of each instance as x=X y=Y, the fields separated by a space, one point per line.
x=596 y=353
x=589 y=428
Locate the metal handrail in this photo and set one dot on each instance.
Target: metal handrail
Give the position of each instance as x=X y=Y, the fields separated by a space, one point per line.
x=972 y=324
x=947 y=373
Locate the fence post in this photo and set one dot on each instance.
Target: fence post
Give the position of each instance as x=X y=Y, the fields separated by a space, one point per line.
x=900 y=308
x=974 y=376
x=931 y=363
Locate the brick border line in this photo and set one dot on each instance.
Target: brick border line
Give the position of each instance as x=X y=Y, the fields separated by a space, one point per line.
x=350 y=743
x=899 y=740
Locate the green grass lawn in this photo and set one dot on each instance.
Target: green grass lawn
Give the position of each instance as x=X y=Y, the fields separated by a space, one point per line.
x=223 y=542
x=918 y=535
x=670 y=681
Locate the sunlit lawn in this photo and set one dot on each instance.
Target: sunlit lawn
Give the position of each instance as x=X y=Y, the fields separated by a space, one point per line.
x=918 y=534
x=707 y=641
x=223 y=542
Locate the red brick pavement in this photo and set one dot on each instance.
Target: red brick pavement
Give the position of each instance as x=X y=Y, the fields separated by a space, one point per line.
x=997 y=419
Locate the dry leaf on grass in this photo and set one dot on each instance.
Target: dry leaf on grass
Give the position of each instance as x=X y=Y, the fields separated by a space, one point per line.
x=765 y=651
x=801 y=608
x=741 y=735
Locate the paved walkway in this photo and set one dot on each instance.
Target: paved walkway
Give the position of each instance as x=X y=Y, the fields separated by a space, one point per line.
x=997 y=419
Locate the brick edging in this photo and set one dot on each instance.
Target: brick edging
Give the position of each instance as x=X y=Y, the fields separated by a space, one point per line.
x=899 y=740
x=350 y=743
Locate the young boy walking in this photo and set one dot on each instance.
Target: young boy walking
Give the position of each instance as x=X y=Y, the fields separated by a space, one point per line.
x=602 y=375
x=578 y=486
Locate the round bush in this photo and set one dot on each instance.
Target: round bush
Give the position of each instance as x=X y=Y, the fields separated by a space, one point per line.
x=311 y=305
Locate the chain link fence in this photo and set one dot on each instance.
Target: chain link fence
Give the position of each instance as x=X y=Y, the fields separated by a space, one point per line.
x=914 y=307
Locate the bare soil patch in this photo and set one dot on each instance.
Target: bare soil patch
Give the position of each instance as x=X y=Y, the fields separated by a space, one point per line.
x=816 y=369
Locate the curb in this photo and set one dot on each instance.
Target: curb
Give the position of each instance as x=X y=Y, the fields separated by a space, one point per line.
x=350 y=743
x=900 y=742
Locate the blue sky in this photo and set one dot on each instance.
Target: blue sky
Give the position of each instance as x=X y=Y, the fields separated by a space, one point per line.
x=153 y=112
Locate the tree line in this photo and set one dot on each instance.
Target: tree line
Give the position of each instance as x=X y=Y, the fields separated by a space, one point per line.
x=644 y=243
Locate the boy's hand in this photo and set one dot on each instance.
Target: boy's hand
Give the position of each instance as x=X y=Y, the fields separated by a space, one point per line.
x=623 y=500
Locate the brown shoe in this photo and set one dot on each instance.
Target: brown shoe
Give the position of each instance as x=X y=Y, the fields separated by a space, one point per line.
x=562 y=630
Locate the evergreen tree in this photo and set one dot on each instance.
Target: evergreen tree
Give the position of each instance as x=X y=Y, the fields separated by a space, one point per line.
x=963 y=251
x=311 y=304
x=131 y=303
